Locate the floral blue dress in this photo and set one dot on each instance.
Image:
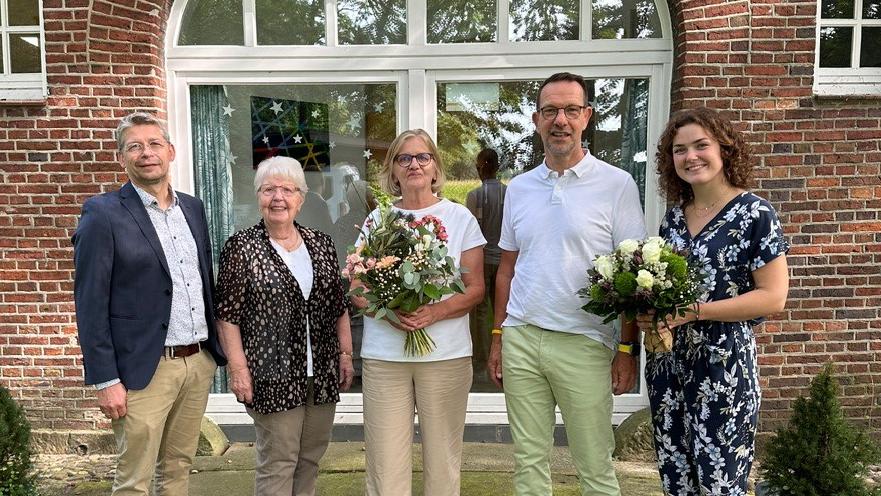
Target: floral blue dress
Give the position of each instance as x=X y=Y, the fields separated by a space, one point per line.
x=705 y=394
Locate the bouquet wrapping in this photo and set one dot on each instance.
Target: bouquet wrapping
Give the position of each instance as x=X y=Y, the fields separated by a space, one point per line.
x=403 y=264
x=640 y=276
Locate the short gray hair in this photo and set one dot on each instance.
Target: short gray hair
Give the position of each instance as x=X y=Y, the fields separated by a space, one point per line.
x=138 y=119
x=286 y=167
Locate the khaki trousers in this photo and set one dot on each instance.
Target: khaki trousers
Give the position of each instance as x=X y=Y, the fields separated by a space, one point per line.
x=393 y=391
x=160 y=430
x=289 y=446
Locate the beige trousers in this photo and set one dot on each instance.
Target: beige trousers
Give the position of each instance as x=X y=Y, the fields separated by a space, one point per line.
x=289 y=447
x=393 y=391
x=160 y=430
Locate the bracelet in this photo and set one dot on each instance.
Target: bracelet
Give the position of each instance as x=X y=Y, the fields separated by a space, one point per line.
x=346 y=353
x=496 y=331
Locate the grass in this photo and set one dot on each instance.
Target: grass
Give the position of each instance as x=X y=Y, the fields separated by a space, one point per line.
x=457 y=190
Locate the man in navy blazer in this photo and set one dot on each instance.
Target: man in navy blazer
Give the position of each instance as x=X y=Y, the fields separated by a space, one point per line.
x=143 y=290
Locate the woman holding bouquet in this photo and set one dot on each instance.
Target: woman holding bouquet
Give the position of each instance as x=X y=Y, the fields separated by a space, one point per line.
x=395 y=384
x=705 y=393
x=283 y=323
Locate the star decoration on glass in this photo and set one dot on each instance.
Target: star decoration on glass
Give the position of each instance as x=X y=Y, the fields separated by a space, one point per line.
x=368 y=154
x=316 y=114
x=585 y=143
x=228 y=110
x=378 y=107
x=232 y=159
x=298 y=139
x=332 y=145
x=276 y=107
x=266 y=139
x=311 y=155
x=354 y=123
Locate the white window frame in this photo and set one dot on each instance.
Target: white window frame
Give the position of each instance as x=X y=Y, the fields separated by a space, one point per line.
x=846 y=81
x=416 y=68
x=22 y=87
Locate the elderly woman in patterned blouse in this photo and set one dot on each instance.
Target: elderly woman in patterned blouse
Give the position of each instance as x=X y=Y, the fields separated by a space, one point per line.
x=283 y=323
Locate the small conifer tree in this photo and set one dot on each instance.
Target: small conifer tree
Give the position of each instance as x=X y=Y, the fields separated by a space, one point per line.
x=16 y=474
x=819 y=453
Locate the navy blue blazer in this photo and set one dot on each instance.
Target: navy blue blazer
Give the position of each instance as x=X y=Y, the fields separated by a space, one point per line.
x=122 y=287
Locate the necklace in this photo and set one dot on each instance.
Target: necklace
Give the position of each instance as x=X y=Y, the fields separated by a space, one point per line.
x=703 y=212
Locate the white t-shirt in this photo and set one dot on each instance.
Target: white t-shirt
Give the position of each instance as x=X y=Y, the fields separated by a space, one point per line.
x=300 y=264
x=559 y=224
x=452 y=337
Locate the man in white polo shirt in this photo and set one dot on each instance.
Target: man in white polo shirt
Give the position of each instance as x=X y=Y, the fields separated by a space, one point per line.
x=546 y=350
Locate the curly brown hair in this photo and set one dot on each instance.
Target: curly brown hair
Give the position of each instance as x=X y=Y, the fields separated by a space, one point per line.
x=735 y=152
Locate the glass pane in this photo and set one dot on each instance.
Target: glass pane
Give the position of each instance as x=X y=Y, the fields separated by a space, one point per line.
x=870 y=52
x=537 y=20
x=615 y=20
x=339 y=132
x=23 y=13
x=835 y=46
x=25 y=52
x=871 y=9
x=498 y=115
x=2 y=67
x=837 y=9
x=372 y=22
x=461 y=21
x=290 y=22
x=212 y=22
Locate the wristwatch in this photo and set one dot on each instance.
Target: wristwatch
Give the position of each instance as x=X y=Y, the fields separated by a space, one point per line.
x=629 y=347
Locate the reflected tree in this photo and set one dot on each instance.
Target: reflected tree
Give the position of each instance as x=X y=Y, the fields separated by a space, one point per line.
x=290 y=22
x=461 y=21
x=372 y=22
x=613 y=19
x=543 y=20
x=212 y=22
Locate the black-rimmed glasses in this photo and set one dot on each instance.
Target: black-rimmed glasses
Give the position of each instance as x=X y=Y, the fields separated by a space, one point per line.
x=570 y=111
x=405 y=159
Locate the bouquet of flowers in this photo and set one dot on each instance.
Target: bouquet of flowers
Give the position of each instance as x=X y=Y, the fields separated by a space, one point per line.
x=640 y=276
x=403 y=263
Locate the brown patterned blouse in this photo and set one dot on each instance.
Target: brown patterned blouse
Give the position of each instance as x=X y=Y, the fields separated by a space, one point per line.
x=257 y=292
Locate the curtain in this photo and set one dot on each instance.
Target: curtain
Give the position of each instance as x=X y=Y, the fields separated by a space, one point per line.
x=212 y=161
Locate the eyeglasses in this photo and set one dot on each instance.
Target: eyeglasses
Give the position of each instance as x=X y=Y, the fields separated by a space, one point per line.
x=570 y=111
x=138 y=148
x=286 y=191
x=405 y=159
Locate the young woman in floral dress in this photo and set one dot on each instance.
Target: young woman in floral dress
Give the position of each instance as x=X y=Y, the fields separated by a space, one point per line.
x=705 y=394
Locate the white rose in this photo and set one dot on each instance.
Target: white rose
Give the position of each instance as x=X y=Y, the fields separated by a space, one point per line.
x=628 y=246
x=605 y=267
x=655 y=240
x=651 y=252
x=645 y=279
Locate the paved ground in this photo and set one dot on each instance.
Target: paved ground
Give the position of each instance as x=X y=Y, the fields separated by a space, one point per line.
x=486 y=470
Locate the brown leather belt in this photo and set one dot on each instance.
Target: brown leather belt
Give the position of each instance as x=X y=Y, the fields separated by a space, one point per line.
x=183 y=350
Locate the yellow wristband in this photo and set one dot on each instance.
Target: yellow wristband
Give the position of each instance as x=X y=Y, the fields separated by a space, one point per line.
x=497 y=331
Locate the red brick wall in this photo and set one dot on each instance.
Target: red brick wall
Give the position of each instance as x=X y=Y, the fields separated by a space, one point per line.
x=818 y=163
x=102 y=62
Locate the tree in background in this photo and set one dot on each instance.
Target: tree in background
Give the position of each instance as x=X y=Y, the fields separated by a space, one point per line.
x=819 y=453
x=16 y=472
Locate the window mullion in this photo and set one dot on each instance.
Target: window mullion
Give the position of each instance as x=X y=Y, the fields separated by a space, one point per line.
x=249 y=22
x=585 y=20
x=331 y=23
x=857 y=35
x=417 y=17
x=503 y=9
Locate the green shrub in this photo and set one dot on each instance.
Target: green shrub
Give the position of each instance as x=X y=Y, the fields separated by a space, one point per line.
x=16 y=474
x=819 y=453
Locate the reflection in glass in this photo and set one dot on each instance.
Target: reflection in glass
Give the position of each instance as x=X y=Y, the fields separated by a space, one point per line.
x=835 y=46
x=538 y=20
x=372 y=22
x=2 y=67
x=290 y=22
x=615 y=20
x=870 y=51
x=212 y=22
x=461 y=21
x=837 y=9
x=24 y=53
x=871 y=9
x=23 y=13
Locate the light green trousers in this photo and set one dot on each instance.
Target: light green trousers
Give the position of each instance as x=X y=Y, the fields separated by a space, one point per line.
x=540 y=370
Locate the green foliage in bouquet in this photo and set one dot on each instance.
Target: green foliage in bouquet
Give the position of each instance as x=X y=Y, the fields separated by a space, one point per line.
x=404 y=264
x=819 y=453
x=640 y=276
x=16 y=472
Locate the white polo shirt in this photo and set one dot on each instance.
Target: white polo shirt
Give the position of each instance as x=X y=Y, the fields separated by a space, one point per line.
x=559 y=224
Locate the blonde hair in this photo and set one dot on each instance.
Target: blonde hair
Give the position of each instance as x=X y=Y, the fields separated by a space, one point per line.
x=387 y=178
x=286 y=167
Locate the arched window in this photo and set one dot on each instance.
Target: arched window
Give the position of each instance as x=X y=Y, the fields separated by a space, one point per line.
x=332 y=82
